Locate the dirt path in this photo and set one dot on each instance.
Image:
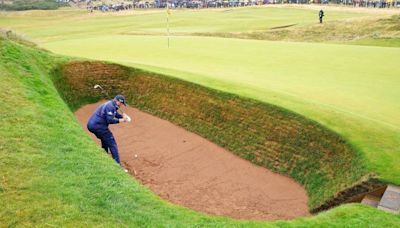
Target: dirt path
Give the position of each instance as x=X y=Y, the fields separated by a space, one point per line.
x=190 y=171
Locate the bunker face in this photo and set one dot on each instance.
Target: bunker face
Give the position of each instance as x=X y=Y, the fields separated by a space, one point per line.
x=190 y=171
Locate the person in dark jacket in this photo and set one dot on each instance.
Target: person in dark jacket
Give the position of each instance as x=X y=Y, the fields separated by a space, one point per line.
x=321 y=15
x=104 y=115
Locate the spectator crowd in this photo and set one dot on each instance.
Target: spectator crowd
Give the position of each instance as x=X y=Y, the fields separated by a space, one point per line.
x=116 y=5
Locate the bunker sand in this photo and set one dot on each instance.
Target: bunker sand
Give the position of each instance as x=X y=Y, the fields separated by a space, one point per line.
x=190 y=171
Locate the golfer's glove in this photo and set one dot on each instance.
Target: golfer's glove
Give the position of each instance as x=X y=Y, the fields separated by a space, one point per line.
x=127 y=118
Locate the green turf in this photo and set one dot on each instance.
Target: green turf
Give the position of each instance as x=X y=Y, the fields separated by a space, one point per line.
x=353 y=90
x=53 y=174
x=356 y=94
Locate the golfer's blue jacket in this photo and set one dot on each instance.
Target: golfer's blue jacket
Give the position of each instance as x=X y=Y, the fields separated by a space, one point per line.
x=104 y=115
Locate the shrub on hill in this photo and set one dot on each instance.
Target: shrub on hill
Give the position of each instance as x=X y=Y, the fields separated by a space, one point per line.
x=19 y=5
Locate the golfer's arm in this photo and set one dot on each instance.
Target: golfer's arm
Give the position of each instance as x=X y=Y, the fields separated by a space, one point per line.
x=118 y=115
x=111 y=118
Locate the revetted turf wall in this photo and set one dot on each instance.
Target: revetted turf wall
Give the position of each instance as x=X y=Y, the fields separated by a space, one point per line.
x=264 y=134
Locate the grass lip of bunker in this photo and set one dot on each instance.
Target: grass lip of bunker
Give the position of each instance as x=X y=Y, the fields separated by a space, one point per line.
x=329 y=168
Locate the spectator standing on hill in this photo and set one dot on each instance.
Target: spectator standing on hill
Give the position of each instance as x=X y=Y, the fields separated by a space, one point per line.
x=104 y=115
x=321 y=15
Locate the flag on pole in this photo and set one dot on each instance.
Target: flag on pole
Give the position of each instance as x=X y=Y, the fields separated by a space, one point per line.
x=168 y=10
x=168 y=13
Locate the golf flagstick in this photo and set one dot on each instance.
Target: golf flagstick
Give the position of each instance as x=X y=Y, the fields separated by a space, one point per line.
x=168 y=13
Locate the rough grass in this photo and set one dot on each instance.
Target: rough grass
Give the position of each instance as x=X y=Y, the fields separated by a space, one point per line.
x=366 y=31
x=53 y=174
x=11 y=35
x=264 y=134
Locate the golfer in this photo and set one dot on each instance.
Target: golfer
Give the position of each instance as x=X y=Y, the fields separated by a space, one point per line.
x=321 y=15
x=104 y=115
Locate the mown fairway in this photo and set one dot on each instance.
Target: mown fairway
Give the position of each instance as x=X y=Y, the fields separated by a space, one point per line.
x=354 y=90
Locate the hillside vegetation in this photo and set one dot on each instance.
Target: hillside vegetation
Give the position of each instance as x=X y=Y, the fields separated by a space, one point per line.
x=18 y=5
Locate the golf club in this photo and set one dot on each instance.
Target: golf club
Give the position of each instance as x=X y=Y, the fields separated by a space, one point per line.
x=97 y=86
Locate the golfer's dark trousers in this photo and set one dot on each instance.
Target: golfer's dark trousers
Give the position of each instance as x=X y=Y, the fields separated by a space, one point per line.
x=107 y=142
x=320 y=19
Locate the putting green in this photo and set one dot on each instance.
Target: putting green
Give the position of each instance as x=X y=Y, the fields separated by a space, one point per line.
x=352 y=89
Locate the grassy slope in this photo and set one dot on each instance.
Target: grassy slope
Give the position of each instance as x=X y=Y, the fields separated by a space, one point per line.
x=53 y=174
x=355 y=95
x=352 y=94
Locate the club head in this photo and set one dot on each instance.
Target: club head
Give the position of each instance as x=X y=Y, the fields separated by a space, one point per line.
x=97 y=86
